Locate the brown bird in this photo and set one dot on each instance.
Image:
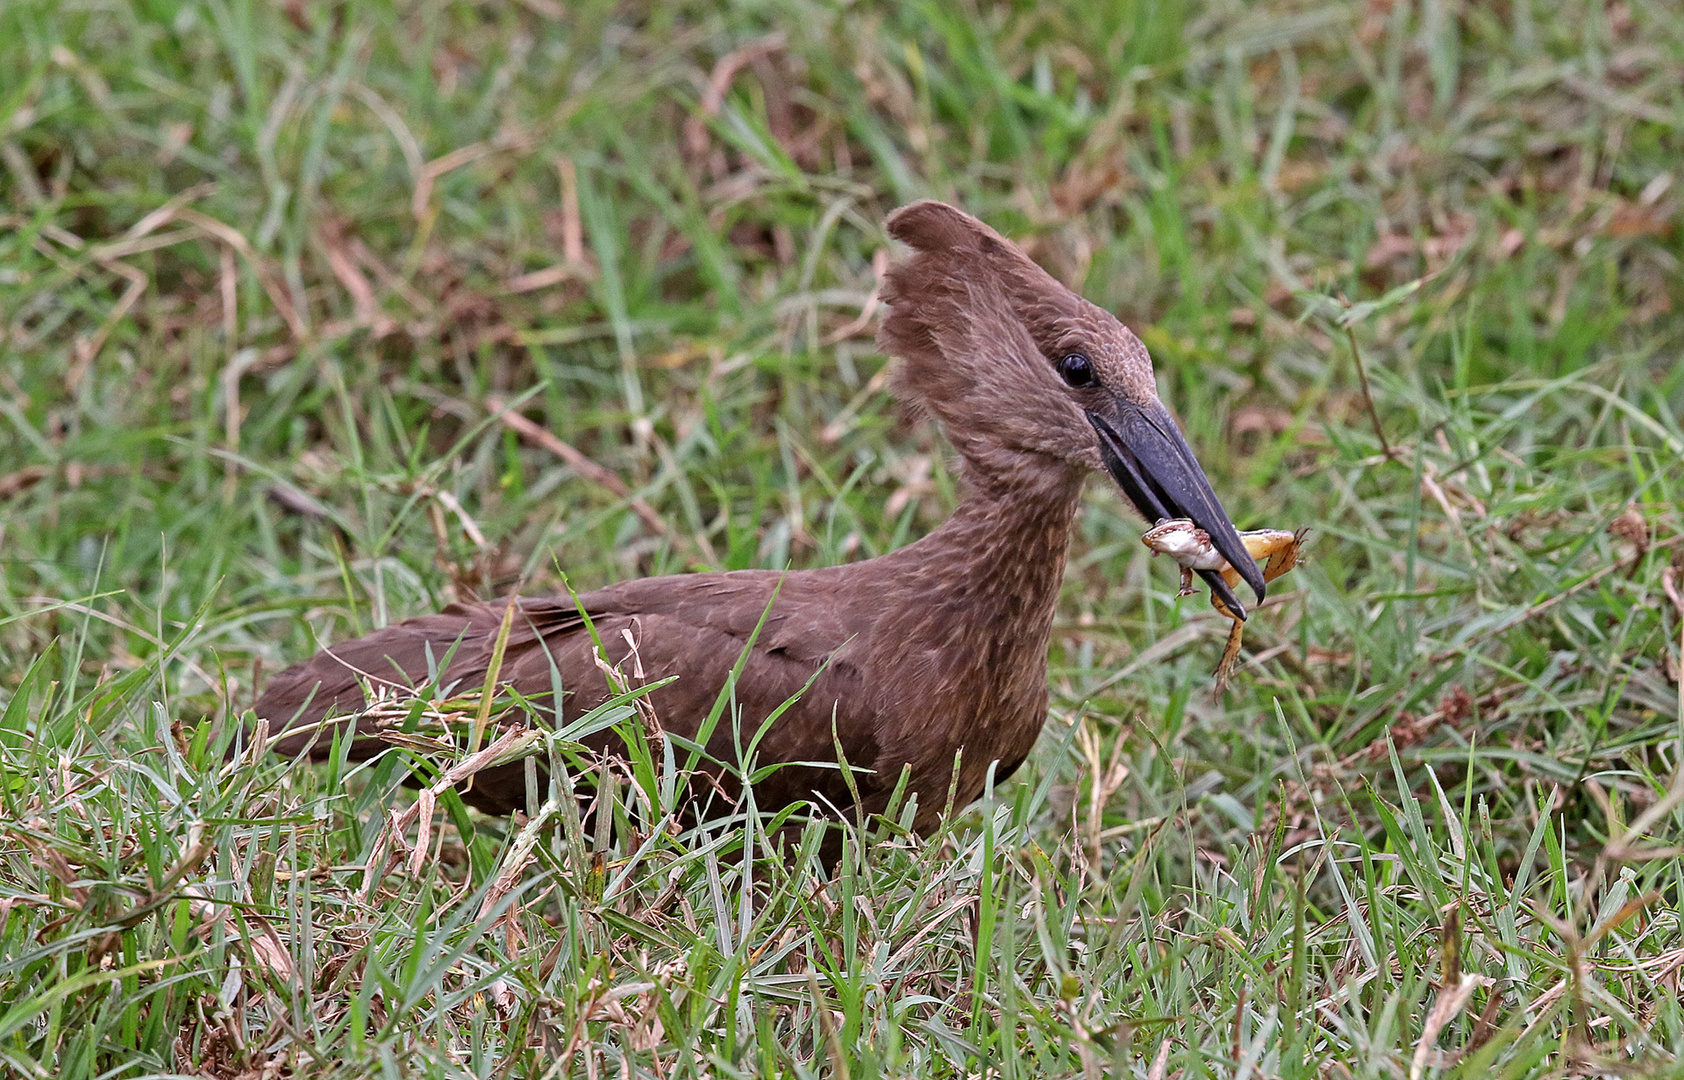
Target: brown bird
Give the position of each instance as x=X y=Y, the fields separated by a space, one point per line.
x=932 y=652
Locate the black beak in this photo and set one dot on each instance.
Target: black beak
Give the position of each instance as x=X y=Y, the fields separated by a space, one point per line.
x=1144 y=451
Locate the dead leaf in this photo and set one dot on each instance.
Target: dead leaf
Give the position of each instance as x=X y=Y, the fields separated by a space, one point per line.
x=14 y=484
x=1450 y=1001
x=1631 y=528
x=1635 y=219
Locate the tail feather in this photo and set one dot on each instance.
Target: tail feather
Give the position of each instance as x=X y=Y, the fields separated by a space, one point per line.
x=456 y=645
x=401 y=656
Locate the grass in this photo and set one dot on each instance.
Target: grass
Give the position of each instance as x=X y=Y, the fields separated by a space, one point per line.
x=267 y=272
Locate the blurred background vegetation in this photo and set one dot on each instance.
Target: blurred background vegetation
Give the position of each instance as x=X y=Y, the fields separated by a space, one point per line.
x=317 y=315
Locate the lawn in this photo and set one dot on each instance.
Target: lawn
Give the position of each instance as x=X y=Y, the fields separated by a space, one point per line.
x=316 y=316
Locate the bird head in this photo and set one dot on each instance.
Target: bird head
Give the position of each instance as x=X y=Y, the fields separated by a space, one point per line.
x=1022 y=372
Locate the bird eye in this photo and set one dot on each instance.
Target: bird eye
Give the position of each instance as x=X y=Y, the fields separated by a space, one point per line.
x=1077 y=370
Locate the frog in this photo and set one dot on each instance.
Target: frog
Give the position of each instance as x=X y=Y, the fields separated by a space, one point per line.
x=1276 y=551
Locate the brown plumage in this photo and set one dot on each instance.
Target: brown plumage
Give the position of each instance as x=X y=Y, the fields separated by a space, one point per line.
x=936 y=650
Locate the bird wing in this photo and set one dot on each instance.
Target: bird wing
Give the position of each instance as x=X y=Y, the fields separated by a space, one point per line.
x=695 y=627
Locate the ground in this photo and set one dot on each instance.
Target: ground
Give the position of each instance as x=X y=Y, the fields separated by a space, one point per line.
x=290 y=295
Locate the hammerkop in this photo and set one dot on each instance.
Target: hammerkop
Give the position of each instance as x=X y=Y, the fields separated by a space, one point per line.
x=932 y=653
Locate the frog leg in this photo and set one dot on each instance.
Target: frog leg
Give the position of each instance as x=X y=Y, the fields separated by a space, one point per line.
x=1225 y=668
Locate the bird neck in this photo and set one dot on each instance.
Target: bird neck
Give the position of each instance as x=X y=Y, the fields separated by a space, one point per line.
x=1004 y=547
